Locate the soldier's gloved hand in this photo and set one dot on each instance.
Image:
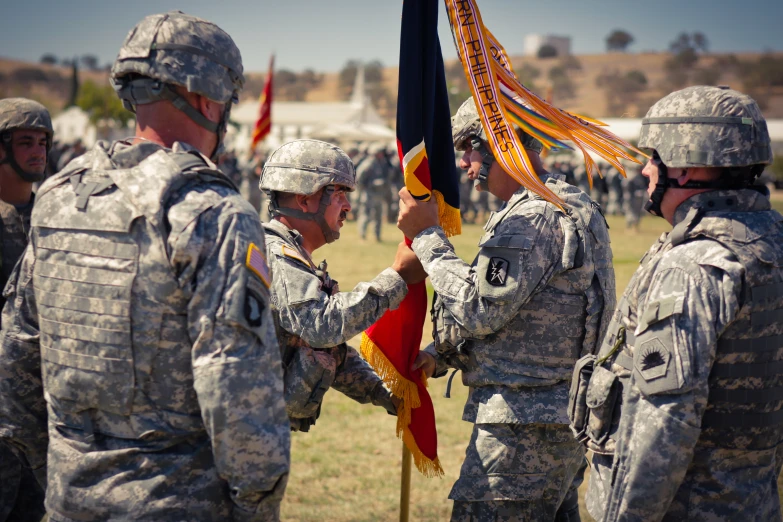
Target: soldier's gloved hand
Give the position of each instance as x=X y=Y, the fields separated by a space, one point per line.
x=408 y=265
x=397 y=402
x=416 y=215
x=425 y=362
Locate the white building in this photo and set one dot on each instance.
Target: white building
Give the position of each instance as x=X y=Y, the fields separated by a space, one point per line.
x=534 y=42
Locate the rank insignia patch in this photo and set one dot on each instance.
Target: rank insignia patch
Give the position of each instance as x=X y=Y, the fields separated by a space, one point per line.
x=497 y=271
x=256 y=262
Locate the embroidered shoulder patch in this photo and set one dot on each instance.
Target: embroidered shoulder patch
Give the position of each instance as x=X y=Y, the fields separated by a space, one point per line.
x=497 y=271
x=256 y=262
x=293 y=254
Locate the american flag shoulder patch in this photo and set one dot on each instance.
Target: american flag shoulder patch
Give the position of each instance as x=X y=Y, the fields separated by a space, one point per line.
x=256 y=262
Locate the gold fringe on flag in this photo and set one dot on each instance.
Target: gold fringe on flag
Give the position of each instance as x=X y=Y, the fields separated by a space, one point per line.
x=450 y=219
x=408 y=392
x=398 y=385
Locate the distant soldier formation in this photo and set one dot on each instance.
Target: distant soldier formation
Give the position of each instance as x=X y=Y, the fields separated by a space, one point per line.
x=166 y=325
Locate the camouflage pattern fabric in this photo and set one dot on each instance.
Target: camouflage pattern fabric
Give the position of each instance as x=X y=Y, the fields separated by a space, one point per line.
x=515 y=472
x=154 y=263
x=21 y=496
x=698 y=307
x=539 y=294
x=18 y=486
x=721 y=127
x=306 y=166
x=373 y=178
x=183 y=50
x=315 y=320
x=15 y=231
x=21 y=113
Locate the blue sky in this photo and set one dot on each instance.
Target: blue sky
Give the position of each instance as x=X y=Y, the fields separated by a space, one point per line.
x=324 y=35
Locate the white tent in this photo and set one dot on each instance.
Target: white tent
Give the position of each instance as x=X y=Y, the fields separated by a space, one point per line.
x=340 y=121
x=74 y=124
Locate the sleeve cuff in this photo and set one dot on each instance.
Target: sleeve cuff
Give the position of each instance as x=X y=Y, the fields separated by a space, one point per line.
x=441 y=368
x=426 y=242
x=390 y=284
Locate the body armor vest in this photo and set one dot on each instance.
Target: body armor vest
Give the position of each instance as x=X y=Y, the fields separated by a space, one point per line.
x=113 y=319
x=570 y=313
x=745 y=405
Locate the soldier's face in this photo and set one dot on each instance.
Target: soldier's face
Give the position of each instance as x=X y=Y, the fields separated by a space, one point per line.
x=29 y=149
x=471 y=161
x=338 y=209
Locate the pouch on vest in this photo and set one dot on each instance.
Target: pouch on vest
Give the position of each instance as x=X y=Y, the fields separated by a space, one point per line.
x=601 y=399
x=307 y=377
x=577 y=396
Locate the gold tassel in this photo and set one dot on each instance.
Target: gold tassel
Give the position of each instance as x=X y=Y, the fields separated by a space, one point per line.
x=449 y=217
x=428 y=468
x=398 y=385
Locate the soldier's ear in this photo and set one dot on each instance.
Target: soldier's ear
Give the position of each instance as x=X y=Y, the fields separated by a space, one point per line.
x=301 y=202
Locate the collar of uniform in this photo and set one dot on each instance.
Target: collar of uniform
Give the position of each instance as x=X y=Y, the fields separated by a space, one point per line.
x=745 y=200
x=283 y=230
x=124 y=154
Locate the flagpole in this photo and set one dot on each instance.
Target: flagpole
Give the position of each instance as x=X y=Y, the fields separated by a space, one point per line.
x=405 y=484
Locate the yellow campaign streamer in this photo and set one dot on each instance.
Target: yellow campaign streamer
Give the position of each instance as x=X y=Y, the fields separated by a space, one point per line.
x=502 y=100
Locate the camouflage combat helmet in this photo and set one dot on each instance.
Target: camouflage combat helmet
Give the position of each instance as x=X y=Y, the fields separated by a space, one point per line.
x=305 y=167
x=466 y=123
x=19 y=114
x=707 y=127
x=466 y=129
x=176 y=49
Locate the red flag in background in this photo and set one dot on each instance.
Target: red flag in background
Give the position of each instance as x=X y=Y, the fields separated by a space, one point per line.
x=264 y=123
x=427 y=159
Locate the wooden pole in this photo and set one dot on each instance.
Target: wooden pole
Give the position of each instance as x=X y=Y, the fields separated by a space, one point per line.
x=405 y=484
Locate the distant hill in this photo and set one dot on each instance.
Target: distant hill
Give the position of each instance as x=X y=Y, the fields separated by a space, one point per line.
x=602 y=85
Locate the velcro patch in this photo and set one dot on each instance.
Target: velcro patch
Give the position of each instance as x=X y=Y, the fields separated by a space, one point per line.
x=293 y=254
x=497 y=271
x=256 y=262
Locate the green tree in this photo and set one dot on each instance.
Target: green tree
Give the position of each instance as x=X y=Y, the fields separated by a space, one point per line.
x=618 y=40
x=102 y=103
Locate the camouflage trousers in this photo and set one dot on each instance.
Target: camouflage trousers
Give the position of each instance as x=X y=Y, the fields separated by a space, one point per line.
x=21 y=498
x=519 y=472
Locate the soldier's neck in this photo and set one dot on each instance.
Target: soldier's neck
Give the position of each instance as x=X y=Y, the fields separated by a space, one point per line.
x=13 y=189
x=309 y=231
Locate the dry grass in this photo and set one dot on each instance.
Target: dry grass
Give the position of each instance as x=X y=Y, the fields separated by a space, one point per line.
x=348 y=467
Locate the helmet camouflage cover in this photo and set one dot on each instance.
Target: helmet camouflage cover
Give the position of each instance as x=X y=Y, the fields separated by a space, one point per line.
x=21 y=113
x=179 y=49
x=306 y=166
x=707 y=127
x=466 y=123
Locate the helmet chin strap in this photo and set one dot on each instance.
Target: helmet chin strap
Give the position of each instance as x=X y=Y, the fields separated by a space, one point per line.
x=319 y=216
x=487 y=159
x=29 y=177
x=653 y=205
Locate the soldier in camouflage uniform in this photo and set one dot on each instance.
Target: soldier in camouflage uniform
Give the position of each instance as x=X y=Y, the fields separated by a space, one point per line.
x=140 y=318
x=25 y=140
x=686 y=390
x=373 y=178
x=307 y=182
x=536 y=298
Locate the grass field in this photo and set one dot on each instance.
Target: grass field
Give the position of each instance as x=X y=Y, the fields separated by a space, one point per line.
x=347 y=468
